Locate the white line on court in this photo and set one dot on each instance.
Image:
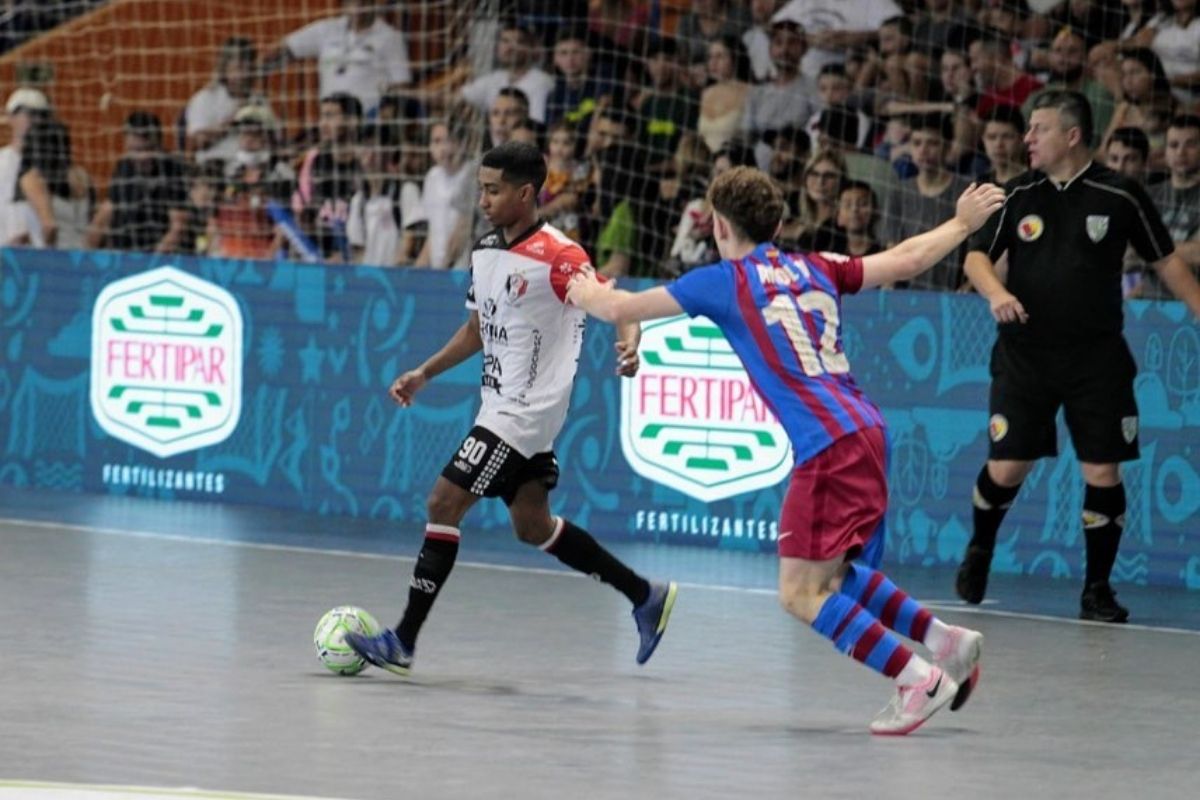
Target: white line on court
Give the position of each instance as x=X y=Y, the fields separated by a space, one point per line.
x=40 y=790
x=947 y=605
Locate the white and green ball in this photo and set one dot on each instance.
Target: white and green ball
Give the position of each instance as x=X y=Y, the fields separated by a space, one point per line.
x=330 y=638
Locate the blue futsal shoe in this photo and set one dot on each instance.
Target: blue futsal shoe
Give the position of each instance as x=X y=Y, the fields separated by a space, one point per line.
x=651 y=617
x=384 y=651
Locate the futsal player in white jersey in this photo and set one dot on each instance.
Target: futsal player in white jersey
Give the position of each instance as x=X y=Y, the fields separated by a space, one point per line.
x=530 y=337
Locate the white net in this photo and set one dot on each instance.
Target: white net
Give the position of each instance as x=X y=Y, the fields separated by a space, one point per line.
x=871 y=114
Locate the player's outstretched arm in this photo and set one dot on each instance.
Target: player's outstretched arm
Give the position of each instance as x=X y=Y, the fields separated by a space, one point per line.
x=918 y=253
x=465 y=343
x=1179 y=279
x=617 y=305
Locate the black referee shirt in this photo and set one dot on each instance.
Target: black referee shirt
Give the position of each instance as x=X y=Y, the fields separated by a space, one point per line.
x=1066 y=246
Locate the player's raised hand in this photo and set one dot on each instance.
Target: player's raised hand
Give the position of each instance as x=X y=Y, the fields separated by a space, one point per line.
x=978 y=202
x=408 y=384
x=1007 y=308
x=628 y=362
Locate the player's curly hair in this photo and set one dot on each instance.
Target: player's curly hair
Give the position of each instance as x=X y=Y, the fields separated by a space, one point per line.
x=750 y=200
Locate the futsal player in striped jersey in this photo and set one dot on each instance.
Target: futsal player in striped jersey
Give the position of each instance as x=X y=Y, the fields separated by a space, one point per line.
x=781 y=313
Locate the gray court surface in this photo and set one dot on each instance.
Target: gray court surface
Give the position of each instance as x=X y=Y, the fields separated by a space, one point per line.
x=140 y=659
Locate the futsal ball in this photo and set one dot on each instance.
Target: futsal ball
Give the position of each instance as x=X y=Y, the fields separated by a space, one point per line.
x=330 y=638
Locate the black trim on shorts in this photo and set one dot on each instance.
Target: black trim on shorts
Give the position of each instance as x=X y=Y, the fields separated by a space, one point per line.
x=487 y=466
x=1094 y=387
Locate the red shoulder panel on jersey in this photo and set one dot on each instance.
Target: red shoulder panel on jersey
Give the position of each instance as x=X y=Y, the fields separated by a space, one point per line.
x=560 y=253
x=846 y=272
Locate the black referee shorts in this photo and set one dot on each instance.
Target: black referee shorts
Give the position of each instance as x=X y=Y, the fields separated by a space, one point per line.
x=487 y=466
x=1094 y=386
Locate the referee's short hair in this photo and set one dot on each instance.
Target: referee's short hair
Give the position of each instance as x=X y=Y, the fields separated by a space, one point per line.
x=1072 y=107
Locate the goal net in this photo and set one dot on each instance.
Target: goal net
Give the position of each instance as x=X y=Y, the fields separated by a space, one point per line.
x=350 y=131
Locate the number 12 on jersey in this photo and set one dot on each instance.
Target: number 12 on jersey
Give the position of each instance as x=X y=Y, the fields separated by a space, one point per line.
x=816 y=358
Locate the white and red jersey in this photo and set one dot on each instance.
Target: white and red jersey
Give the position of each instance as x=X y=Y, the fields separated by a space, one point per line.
x=531 y=334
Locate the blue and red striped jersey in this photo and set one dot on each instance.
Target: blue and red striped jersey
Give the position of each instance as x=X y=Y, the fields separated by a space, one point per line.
x=781 y=314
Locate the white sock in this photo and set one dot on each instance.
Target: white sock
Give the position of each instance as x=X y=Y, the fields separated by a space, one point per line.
x=915 y=672
x=937 y=636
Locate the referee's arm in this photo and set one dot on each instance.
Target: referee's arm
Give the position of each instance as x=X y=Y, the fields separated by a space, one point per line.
x=1153 y=242
x=987 y=247
x=982 y=274
x=1178 y=277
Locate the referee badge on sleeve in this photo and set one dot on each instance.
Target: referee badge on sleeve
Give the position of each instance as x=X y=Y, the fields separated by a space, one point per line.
x=1097 y=226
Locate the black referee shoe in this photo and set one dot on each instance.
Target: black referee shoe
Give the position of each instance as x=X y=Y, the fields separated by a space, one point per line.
x=971 y=583
x=1099 y=603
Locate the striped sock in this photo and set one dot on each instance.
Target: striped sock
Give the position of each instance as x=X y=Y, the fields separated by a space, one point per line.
x=893 y=607
x=856 y=633
x=434 y=563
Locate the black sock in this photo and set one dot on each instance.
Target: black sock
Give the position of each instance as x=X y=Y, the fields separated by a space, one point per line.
x=991 y=502
x=576 y=548
x=1103 y=522
x=434 y=563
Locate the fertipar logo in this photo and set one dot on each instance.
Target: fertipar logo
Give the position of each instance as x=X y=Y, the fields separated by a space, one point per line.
x=166 y=362
x=691 y=419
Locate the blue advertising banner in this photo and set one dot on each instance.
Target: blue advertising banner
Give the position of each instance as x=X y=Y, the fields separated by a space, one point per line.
x=250 y=382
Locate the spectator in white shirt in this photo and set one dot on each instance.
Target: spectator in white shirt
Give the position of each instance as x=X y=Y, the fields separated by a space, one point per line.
x=1177 y=44
x=385 y=209
x=209 y=114
x=24 y=108
x=358 y=53
x=516 y=53
x=757 y=38
x=834 y=26
x=787 y=100
x=446 y=180
x=58 y=193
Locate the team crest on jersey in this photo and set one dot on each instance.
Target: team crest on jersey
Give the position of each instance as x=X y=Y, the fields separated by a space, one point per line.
x=1129 y=429
x=516 y=285
x=1030 y=228
x=997 y=427
x=1097 y=226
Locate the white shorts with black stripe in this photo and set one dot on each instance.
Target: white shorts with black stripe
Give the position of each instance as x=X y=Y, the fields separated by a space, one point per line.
x=487 y=466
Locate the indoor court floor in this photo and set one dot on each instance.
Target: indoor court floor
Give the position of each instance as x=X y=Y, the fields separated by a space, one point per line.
x=167 y=645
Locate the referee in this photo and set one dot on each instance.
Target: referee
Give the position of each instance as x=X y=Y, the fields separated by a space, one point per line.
x=1064 y=228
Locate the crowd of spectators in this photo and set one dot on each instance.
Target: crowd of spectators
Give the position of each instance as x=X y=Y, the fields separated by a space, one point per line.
x=872 y=115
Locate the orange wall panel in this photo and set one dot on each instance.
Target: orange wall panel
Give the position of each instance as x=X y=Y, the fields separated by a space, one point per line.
x=153 y=55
